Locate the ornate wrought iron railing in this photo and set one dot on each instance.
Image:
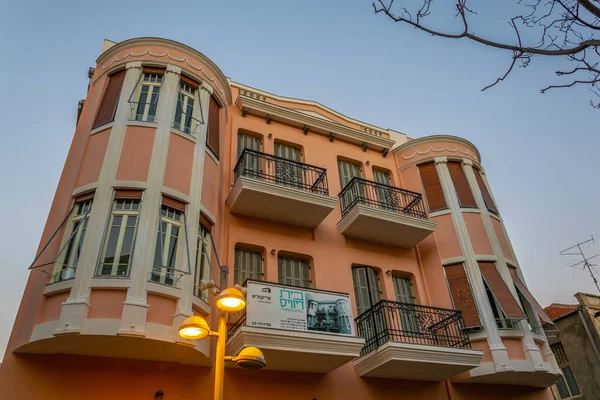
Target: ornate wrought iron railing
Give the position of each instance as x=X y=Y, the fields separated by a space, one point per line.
x=390 y=321
x=362 y=191
x=235 y=321
x=270 y=168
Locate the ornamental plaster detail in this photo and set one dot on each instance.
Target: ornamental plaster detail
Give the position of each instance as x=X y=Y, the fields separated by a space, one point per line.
x=165 y=54
x=457 y=149
x=253 y=95
x=370 y=131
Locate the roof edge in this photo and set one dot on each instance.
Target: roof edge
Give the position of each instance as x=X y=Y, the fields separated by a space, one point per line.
x=437 y=138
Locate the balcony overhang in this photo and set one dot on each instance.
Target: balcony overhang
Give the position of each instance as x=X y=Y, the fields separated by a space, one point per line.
x=410 y=361
x=297 y=351
x=385 y=227
x=278 y=203
x=315 y=124
x=520 y=373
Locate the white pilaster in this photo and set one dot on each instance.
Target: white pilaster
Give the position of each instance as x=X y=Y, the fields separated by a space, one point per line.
x=499 y=353
x=75 y=308
x=133 y=318
x=531 y=350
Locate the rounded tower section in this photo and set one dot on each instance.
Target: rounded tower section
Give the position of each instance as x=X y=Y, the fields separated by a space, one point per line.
x=147 y=142
x=481 y=270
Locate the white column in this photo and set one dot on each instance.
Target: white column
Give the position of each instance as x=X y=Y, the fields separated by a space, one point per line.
x=184 y=305
x=75 y=308
x=133 y=318
x=499 y=353
x=531 y=350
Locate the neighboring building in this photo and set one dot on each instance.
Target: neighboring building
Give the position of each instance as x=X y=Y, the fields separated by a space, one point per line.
x=174 y=169
x=577 y=347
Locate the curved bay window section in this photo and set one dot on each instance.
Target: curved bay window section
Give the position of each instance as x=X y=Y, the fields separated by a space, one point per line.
x=120 y=239
x=143 y=102
x=68 y=256
x=188 y=107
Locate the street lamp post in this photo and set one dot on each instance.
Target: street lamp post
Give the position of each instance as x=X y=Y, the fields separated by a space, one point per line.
x=196 y=327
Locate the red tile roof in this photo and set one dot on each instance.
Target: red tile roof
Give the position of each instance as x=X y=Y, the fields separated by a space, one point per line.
x=557 y=310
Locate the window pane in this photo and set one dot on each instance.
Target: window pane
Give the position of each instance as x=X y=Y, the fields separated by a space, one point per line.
x=127 y=240
x=571 y=381
x=562 y=388
x=111 y=246
x=80 y=243
x=69 y=249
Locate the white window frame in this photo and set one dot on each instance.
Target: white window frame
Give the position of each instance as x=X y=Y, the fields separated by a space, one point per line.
x=126 y=214
x=203 y=252
x=164 y=272
x=154 y=82
x=68 y=267
x=186 y=93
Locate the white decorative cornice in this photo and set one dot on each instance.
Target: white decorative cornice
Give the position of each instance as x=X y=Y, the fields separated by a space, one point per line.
x=109 y=57
x=438 y=160
x=134 y=65
x=173 y=69
x=254 y=95
x=473 y=152
x=370 y=131
x=314 y=124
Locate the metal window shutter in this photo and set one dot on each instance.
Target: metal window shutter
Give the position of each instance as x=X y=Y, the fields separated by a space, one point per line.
x=527 y=294
x=507 y=302
x=373 y=285
x=361 y=290
x=248 y=265
x=463 y=191
x=212 y=139
x=248 y=142
x=462 y=296
x=487 y=197
x=347 y=172
x=109 y=103
x=432 y=187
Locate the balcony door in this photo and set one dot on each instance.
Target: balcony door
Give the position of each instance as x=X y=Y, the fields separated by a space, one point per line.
x=347 y=172
x=366 y=288
x=386 y=197
x=288 y=173
x=404 y=294
x=252 y=165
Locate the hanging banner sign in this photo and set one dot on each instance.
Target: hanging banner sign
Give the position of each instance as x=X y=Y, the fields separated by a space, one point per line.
x=297 y=309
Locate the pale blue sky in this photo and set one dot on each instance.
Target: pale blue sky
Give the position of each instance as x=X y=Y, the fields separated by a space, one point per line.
x=539 y=151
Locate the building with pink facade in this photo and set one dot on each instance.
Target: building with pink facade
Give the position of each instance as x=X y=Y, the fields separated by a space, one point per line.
x=387 y=256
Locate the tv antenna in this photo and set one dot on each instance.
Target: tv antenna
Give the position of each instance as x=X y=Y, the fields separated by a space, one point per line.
x=577 y=251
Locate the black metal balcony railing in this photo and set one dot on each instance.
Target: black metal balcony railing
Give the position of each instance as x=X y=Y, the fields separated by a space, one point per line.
x=362 y=191
x=390 y=321
x=270 y=168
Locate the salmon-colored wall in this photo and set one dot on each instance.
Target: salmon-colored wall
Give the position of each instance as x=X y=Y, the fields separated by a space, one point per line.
x=502 y=239
x=514 y=348
x=445 y=236
x=210 y=185
x=160 y=309
x=136 y=154
x=178 y=174
x=477 y=234
x=106 y=303
x=93 y=158
x=485 y=348
x=51 y=307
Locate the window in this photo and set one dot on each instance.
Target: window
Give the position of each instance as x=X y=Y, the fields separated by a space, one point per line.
x=164 y=269
x=347 y=172
x=248 y=142
x=120 y=239
x=188 y=106
x=487 y=197
x=71 y=248
x=461 y=294
x=212 y=138
x=529 y=313
x=294 y=272
x=288 y=173
x=507 y=308
x=432 y=187
x=567 y=385
x=461 y=185
x=386 y=196
x=529 y=297
x=252 y=162
x=144 y=99
x=203 y=250
x=110 y=101
x=248 y=265
x=501 y=320
x=366 y=288
x=404 y=294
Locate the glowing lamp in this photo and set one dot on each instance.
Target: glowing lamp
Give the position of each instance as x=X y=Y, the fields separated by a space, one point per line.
x=194 y=327
x=231 y=300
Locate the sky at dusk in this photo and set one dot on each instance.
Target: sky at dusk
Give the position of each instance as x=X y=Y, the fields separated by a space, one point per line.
x=540 y=152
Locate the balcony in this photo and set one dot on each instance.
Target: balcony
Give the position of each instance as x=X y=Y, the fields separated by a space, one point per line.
x=383 y=214
x=297 y=329
x=415 y=342
x=280 y=190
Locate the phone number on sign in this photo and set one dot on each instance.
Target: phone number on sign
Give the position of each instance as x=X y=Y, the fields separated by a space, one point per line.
x=266 y=324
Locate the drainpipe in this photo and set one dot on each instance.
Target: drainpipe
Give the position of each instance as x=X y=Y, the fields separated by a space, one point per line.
x=589 y=333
